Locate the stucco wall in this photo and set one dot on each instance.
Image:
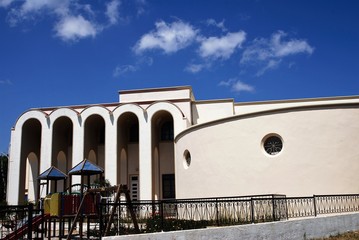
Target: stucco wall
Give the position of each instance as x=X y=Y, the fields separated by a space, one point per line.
x=252 y=107
x=320 y=154
x=294 y=229
x=206 y=111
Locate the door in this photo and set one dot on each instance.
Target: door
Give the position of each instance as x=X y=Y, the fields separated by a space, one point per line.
x=168 y=186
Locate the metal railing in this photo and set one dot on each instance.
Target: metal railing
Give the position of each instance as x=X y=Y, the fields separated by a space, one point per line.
x=181 y=214
x=21 y=222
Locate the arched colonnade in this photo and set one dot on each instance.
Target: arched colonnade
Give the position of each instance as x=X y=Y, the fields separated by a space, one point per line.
x=134 y=146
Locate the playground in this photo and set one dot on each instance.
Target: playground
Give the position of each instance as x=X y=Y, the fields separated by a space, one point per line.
x=68 y=214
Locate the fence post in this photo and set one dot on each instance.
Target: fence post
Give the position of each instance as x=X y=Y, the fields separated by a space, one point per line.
x=162 y=215
x=217 y=212
x=252 y=211
x=101 y=221
x=29 y=222
x=273 y=208
x=315 y=206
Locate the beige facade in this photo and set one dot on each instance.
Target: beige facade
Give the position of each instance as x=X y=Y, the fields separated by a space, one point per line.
x=164 y=144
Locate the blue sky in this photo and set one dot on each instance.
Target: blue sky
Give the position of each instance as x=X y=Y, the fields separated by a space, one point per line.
x=71 y=52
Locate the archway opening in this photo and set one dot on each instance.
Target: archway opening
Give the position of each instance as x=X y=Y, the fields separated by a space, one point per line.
x=94 y=141
x=62 y=138
x=163 y=168
x=128 y=153
x=30 y=161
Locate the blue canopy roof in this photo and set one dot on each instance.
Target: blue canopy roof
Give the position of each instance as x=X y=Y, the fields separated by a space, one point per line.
x=86 y=168
x=52 y=174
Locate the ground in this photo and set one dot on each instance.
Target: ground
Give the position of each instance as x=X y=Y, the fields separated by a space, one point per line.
x=346 y=236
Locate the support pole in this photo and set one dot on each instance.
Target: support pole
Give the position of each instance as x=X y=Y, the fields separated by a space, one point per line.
x=79 y=212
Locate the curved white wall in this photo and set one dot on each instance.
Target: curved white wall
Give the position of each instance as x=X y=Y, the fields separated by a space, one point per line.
x=320 y=154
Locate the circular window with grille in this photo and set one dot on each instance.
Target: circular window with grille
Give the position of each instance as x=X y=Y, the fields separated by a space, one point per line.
x=273 y=144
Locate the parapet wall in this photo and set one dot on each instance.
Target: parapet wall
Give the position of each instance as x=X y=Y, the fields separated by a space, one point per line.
x=308 y=228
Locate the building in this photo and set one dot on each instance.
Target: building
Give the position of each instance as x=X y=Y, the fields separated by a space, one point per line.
x=165 y=144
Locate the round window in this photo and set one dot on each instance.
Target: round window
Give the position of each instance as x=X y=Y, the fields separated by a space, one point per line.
x=187 y=159
x=273 y=145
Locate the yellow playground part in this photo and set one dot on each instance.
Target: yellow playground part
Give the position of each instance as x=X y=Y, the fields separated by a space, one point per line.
x=52 y=204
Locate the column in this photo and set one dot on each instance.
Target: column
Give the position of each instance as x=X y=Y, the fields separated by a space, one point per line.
x=145 y=158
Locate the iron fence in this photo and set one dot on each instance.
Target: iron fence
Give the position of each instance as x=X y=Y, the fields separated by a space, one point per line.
x=21 y=222
x=181 y=214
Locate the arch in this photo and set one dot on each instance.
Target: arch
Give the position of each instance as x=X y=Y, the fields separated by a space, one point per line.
x=129 y=108
x=62 y=142
x=99 y=110
x=31 y=114
x=162 y=156
x=65 y=112
x=102 y=120
x=128 y=150
x=21 y=147
x=163 y=161
x=94 y=138
x=29 y=160
x=179 y=120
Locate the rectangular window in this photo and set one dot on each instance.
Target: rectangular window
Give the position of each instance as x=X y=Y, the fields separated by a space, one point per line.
x=134 y=188
x=168 y=186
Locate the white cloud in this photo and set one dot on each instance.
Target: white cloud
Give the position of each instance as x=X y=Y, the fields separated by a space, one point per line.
x=269 y=53
x=220 y=25
x=145 y=60
x=237 y=85
x=112 y=11
x=37 y=5
x=123 y=69
x=272 y=64
x=221 y=47
x=73 y=19
x=5 y=3
x=141 y=4
x=169 y=38
x=73 y=28
x=263 y=49
x=242 y=87
x=194 y=68
x=120 y=70
x=6 y=82
x=32 y=9
x=282 y=48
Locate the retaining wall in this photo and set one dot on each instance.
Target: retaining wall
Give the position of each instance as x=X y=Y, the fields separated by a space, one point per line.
x=308 y=228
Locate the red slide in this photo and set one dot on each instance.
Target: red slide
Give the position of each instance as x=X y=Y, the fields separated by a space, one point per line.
x=18 y=233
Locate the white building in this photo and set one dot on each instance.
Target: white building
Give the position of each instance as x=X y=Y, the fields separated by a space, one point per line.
x=165 y=144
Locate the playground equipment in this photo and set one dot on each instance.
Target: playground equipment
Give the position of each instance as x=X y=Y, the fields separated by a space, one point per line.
x=51 y=174
x=20 y=221
x=79 y=203
x=119 y=190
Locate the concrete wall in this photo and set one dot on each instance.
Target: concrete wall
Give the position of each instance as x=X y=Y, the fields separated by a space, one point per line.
x=319 y=155
x=323 y=226
x=205 y=111
x=252 y=107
